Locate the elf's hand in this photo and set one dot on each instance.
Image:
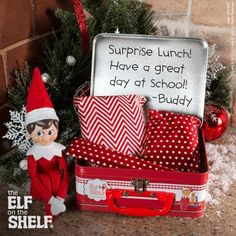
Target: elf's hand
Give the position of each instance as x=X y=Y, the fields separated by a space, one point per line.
x=57 y=206
x=60 y=199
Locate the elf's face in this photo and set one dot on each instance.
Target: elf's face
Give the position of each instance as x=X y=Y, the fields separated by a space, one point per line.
x=44 y=137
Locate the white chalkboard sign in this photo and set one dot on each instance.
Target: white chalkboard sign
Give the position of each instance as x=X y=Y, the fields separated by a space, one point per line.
x=171 y=72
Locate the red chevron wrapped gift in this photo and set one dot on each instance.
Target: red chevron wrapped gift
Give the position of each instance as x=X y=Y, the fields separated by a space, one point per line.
x=117 y=122
x=102 y=156
x=172 y=140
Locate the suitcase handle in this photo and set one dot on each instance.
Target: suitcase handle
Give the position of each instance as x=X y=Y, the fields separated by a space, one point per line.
x=166 y=198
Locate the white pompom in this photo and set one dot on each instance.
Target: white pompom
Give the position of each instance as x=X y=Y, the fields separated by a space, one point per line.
x=70 y=60
x=24 y=164
x=45 y=78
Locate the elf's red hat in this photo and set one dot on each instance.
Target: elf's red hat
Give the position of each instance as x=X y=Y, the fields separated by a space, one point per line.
x=38 y=105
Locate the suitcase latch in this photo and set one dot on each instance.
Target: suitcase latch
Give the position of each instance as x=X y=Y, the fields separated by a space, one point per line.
x=140 y=185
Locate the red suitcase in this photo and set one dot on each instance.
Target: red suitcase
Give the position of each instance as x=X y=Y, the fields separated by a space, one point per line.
x=146 y=192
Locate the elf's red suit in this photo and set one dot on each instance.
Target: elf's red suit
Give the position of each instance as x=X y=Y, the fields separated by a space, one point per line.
x=48 y=175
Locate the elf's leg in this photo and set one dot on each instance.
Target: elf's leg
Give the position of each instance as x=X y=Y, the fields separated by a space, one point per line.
x=56 y=179
x=45 y=180
x=56 y=206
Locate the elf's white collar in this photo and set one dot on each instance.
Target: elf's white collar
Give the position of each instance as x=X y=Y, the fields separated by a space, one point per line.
x=47 y=152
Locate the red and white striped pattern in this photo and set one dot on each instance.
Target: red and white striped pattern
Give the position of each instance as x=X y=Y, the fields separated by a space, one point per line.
x=117 y=122
x=118 y=184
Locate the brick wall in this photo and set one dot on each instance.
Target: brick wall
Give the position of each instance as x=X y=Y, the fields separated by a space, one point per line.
x=22 y=24
x=213 y=20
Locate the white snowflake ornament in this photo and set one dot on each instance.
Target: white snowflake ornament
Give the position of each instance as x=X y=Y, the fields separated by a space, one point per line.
x=17 y=131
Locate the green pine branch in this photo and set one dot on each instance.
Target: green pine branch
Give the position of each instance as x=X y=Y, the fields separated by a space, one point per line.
x=10 y=171
x=220 y=90
x=20 y=78
x=69 y=127
x=64 y=78
x=130 y=17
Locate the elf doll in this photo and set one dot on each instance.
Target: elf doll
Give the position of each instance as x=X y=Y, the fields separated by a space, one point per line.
x=47 y=165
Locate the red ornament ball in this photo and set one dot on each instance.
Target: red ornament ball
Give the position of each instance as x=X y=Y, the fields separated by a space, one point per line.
x=215 y=122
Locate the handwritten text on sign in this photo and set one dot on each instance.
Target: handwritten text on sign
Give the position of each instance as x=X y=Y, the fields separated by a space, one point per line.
x=166 y=72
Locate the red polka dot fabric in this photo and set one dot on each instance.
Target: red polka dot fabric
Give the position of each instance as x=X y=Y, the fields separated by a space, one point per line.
x=172 y=140
x=102 y=156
